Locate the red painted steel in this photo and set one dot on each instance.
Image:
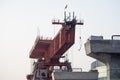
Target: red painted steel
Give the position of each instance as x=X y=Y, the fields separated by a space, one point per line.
x=40 y=48
x=52 y=50
x=29 y=76
x=48 y=52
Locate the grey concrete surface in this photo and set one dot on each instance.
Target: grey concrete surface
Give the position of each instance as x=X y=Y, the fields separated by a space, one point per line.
x=107 y=51
x=75 y=75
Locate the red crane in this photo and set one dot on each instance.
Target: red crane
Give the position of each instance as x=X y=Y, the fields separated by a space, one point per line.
x=48 y=52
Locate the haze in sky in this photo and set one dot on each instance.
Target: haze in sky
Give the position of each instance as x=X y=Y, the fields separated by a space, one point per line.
x=19 y=20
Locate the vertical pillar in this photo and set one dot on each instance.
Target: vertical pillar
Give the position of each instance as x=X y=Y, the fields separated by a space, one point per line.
x=114 y=67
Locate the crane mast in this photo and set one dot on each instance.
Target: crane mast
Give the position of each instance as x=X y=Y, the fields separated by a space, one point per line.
x=48 y=52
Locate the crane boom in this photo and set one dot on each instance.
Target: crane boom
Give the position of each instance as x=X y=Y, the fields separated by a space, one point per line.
x=52 y=50
x=48 y=52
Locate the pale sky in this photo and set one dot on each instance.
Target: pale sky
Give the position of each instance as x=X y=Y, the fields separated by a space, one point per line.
x=19 y=20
